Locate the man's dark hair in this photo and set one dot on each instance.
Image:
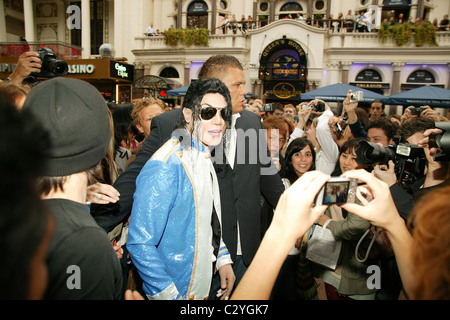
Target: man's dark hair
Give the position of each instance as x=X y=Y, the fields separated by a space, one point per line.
x=24 y=146
x=412 y=126
x=389 y=128
x=217 y=66
x=199 y=89
x=378 y=101
x=276 y=106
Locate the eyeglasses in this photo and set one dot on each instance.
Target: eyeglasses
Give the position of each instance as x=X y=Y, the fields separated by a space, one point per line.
x=210 y=112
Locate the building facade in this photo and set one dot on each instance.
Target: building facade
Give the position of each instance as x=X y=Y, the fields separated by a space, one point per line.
x=286 y=47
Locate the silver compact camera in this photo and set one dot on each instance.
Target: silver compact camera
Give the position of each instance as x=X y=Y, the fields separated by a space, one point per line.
x=337 y=190
x=356 y=96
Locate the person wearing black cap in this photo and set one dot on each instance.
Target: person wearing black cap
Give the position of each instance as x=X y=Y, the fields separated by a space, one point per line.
x=81 y=260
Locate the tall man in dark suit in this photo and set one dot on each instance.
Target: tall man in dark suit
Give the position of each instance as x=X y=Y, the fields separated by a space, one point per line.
x=249 y=170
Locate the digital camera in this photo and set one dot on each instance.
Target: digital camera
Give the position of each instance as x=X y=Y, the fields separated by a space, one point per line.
x=51 y=66
x=337 y=190
x=267 y=107
x=356 y=96
x=320 y=107
x=417 y=111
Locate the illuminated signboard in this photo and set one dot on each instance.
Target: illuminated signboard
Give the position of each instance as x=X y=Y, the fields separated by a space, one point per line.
x=121 y=70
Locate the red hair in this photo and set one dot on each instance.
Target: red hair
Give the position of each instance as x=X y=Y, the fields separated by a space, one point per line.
x=431 y=246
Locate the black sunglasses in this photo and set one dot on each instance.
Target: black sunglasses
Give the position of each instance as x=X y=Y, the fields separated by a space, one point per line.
x=210 y=112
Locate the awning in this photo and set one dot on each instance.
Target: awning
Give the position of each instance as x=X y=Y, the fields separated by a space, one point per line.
x=338 y=93
x=178 y=92
x=156 y=83
x=423 y=96
x=181 y=92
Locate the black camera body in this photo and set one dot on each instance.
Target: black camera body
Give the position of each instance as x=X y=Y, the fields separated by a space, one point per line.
x=51 y=66
x=417 y=111
x=441 y=141
x=409 y=159
x=320 y=107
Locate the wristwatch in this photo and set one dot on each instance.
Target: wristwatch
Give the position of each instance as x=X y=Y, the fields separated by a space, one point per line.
x=7 y=80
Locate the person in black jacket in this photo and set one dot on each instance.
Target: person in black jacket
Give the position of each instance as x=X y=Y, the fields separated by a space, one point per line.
x=248 y=171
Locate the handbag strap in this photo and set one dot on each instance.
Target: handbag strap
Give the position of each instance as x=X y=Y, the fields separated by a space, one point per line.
x=370 y=245
x=327 y=223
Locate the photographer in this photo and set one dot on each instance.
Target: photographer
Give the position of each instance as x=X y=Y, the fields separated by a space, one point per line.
x=28 y=63
x=436 y=172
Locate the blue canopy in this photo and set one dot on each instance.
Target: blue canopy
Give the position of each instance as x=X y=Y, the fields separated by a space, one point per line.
x=178 y=92
x=338 y=93
x=181 y=92
x=422 y=96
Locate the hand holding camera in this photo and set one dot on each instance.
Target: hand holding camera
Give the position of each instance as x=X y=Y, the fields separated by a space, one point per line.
x=28 y=63
x=380 y=210
x=315 y=105
x=51 y=66
x=294 y=215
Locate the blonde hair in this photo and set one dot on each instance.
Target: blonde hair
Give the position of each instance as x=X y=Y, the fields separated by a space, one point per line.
x=143 y=103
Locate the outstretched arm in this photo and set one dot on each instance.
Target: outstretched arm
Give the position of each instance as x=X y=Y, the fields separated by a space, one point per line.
x=293 y=216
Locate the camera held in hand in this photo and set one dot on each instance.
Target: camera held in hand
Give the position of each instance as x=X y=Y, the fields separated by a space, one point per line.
x=356 y=96
x=320 y=107
x=409 y=159
x=337 y=190
x=417 y=111
x=339 y=128
x=267 y=107
x=51 y=66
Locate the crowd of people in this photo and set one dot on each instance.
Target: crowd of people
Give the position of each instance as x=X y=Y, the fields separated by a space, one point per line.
x=212 y=200
x=364 y=21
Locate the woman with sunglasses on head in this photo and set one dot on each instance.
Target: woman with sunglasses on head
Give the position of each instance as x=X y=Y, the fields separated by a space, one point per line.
x=175 y=235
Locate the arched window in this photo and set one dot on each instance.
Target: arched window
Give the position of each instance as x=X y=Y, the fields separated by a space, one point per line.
x=369 y=75
x=421 y=76
x=169 y=72
x=291 y=8
x=197 y=14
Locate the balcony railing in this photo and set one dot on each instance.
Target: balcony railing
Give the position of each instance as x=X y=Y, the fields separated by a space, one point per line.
x=341 y=34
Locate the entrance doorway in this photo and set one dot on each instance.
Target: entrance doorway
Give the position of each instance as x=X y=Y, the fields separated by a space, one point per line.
x=283 y=70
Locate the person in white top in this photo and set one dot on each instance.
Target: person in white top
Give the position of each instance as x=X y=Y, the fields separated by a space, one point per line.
x=319 y=133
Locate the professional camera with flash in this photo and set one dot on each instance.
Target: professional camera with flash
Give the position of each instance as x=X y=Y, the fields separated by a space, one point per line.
x=51 y=66
x=409 y=159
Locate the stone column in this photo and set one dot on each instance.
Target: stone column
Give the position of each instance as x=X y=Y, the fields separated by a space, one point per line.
x=345 y=66
x=86 y=28
x=397 y=66
x=214 y=17
x=28 y=16
x=187 y=67
x=334 y=69
x=272 y=10
x=448 y=85
x=3 y=33
x=180 y=14
x=147 y=68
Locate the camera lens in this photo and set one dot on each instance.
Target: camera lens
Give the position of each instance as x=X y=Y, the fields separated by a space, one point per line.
x=369 y=153
x=59 y=68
